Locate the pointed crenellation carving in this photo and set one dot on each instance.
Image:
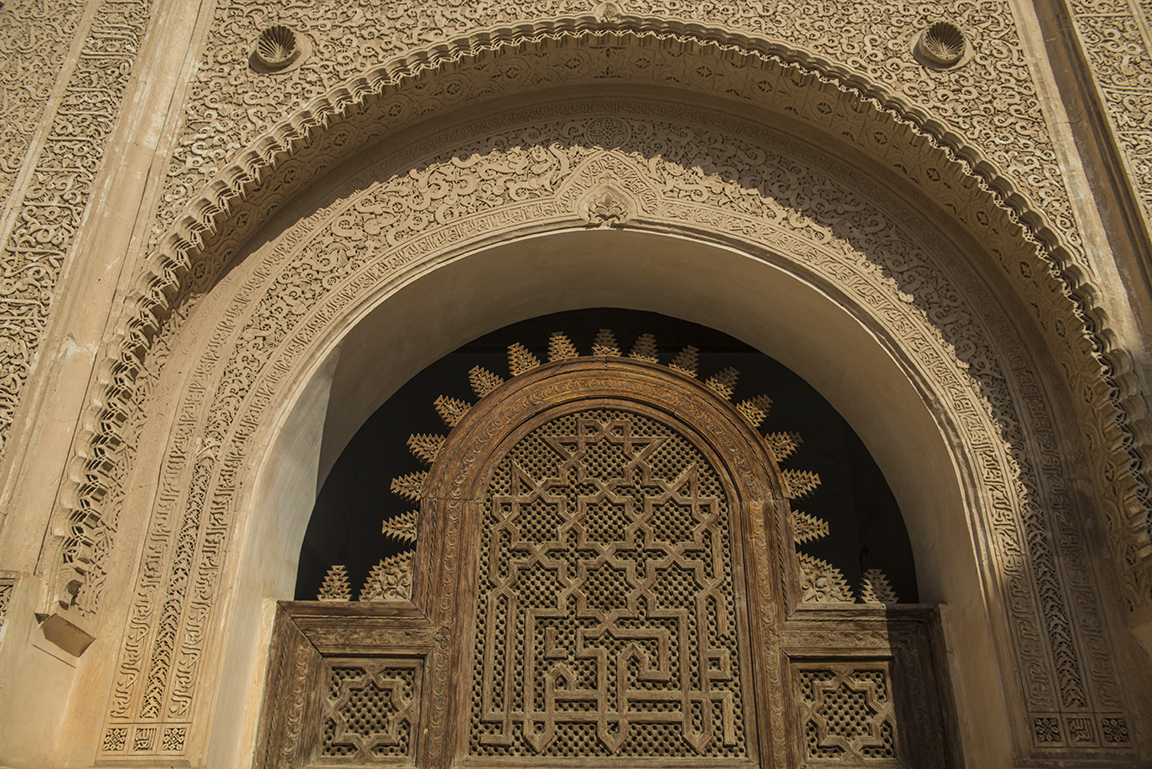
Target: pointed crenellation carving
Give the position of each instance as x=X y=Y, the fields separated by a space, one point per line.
x=451 y=411
x=520 y=360
x=605 y=344
x=410 y=486
x=875 y=588
x=821 y=582
x=645 y=349
x=389 y=580
x=560 y=347
x=800 y=483
x=755 y=409
x=783 y=445
x=425 y=447
x=483 y=381
x=402 y=528
x=687 y=361
x=335 y=586
x=807 y=528
x=724 y=382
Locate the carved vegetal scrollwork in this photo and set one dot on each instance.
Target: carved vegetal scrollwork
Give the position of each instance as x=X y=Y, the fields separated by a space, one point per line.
x=43 y=209
x=963 y=358
x=821 y=582
x=389 y=580
x=223 y=143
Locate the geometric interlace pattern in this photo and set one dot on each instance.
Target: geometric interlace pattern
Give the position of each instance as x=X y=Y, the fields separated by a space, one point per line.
x=606 y=622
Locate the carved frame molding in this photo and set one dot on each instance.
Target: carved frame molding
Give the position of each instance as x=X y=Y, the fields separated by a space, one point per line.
x=939 y=315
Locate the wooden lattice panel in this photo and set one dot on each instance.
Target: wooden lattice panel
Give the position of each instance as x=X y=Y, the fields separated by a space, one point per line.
x=606 y=621
x=370 y=709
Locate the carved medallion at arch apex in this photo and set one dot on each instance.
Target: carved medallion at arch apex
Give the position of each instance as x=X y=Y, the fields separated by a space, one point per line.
x=752 y=186
x=790 y=89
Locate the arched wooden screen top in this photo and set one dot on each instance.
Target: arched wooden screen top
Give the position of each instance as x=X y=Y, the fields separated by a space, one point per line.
x=605 y=572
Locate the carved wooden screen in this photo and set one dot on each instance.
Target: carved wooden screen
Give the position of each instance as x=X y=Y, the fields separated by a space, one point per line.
x=605 y=570
x=607 y=621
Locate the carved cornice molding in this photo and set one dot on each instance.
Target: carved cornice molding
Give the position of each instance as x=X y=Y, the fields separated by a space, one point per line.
x=529 y=170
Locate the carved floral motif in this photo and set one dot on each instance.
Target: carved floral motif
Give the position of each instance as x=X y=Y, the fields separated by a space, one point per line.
x=854 y=236
x=890 y=127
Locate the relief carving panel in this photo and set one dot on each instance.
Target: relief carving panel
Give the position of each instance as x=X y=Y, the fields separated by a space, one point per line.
x=387 y=98
x=45 y=210
x=715 y=175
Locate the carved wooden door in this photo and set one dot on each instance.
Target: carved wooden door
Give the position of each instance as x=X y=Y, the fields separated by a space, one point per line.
x=605 y=572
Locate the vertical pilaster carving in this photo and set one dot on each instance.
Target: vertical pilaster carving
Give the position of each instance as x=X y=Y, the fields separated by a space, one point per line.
x=47 y=209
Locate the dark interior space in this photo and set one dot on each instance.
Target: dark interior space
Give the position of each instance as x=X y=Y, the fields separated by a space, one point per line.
x=866 y=530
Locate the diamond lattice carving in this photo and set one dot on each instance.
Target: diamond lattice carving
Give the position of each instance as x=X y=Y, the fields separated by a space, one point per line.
x=606 y=618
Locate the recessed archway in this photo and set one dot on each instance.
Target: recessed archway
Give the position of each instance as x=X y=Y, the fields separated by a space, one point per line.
x=381 y=270
x=819 y=335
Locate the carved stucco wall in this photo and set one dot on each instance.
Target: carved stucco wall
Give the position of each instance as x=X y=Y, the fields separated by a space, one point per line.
x=250 y=141
x=674 y=168
x=64 y=67
x=974 y=131
x=1117 y=43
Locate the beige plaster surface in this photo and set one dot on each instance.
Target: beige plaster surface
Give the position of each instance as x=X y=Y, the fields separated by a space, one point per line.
x=35 y=676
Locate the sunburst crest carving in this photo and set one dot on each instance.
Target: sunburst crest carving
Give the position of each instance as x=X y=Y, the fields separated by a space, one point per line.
x=687 y=361
x=605 y=344
x=783 y=445
x=402 y=528
x=410 y=486
x=755 y=409
x=425 y=447
x=800 y=483
x=645 y=349
x=560 y=347
x=807 y=528
x=520 y=360
x=389 y=580
x=483 y=381
x=335 y=587
x=451 y=411
x=875 y=588
x=821 y=582
x=724 y=382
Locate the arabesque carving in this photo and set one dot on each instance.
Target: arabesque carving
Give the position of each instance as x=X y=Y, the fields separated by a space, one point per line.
x=884 y=124
x=43 y=208
x=876 y=250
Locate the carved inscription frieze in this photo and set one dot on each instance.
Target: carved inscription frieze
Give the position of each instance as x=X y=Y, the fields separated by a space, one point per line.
x=606 y=617
x=701 y=178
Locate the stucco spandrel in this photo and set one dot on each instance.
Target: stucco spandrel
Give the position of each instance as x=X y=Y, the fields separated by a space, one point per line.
x=988 y=105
